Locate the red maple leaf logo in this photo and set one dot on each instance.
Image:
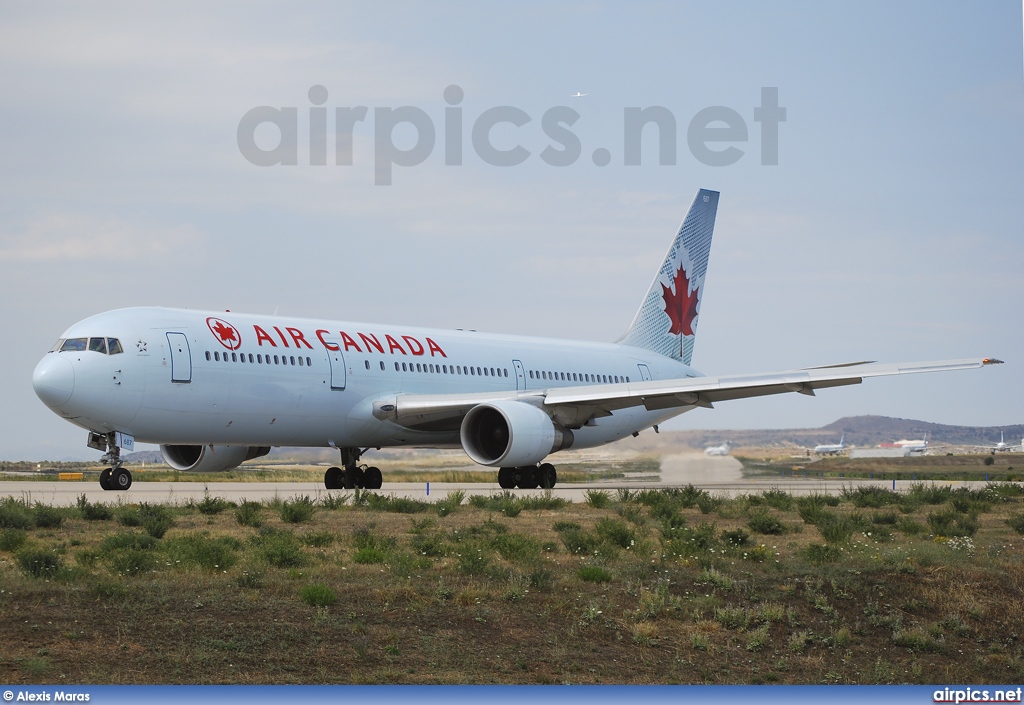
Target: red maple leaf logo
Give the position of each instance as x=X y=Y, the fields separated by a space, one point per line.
x=681 y=305
x=226 y=333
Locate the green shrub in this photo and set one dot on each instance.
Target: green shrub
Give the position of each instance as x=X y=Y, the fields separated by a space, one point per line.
x=47 y=517
x=543 y=501
x=889 y=518
x=929 y=494
x=777 y=499
x=317 y=539
x=334 y=500
x=398 y=505
x=870 y=496
x=154 y=518
x=213 y=505
x=516 y=547
x=12 y=539
x=910 y=527
x=38 y=562
x=822 y=553
x=318 y=595
x=280 y=549
x=615 y=532
x=473 y=559
x=763 y=522
x=200 y=549
x=369 y=554
x=131 y=561
x=297 y=510
x=93 y=512
x=127 y=540
x=248 y=514
x=594 y=574
x=736 y=537
x=951 y=523
x=14 y=514
x=598 y=499
x=836 y=529
x=1016 y=522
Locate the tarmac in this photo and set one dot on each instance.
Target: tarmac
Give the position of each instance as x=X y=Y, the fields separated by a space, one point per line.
x=721 y=476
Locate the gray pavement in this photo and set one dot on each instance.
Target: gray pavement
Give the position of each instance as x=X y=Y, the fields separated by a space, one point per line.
x=720 y=476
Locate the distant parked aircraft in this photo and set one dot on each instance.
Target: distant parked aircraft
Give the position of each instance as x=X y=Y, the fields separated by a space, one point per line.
x=825 y=449
x=913 y=446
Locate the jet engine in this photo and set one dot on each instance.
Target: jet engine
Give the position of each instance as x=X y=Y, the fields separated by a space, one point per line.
x=210 y=458
x=511 y=434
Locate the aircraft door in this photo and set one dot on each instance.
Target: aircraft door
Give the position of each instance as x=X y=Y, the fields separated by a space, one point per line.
x=645 y=372
x=181 y=357
x=339 y=374
x=520 y=374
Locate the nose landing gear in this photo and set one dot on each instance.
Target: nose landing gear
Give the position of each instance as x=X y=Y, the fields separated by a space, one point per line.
x=115 y=477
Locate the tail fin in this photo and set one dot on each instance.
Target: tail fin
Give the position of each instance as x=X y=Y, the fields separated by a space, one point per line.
x=666 y=322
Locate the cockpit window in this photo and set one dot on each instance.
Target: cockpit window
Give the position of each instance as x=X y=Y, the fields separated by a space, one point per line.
x=106 y=346
x=74 y=345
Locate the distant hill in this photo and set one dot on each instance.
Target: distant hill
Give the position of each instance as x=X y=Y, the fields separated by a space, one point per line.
x=863 y=431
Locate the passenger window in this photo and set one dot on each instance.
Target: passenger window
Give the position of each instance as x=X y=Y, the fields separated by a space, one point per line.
x=292 y=359
x=74 y=345
x=485 y=373
x=234 y=357
x=114 y=346
x=276 y=361
x=241 y=357
x=367 y=364
x=397 y=368
x=302 y=362
x=98 y=345
x=208 y=355
x=309 y=363
x=250 y=357
x=259 y=358
x=431 y=368
x=216 y=356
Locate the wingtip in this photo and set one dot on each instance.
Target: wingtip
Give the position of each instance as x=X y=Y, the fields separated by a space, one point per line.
x=991 y=361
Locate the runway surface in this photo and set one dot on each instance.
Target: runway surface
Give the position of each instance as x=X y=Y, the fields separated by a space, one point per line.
x=720 y=476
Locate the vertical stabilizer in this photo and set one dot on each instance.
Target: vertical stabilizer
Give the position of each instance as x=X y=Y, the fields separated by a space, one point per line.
x=667 y=320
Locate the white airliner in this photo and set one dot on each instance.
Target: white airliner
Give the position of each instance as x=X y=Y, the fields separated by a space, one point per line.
x=913 y=446
x=718 y=450
x=577 y=94
x=832 y=449
x=216 y=389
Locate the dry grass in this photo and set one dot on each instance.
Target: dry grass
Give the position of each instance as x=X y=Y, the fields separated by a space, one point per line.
x=477 y=596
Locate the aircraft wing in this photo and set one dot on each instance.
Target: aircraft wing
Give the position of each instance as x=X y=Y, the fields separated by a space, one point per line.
x=575 y=406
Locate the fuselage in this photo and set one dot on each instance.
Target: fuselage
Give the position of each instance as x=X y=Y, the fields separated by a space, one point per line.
x=171 y=376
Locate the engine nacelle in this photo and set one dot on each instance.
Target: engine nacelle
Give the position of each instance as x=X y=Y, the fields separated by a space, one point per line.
x=210 y=458
x=511 y=434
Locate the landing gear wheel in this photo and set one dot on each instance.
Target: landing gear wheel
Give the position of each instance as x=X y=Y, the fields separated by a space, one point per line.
x=120 y=479
x=353 y=478
x=372 y=479
x=506 y=478
x=547 y=476
x=105 y=479
x=528 y=479
x=333 y=479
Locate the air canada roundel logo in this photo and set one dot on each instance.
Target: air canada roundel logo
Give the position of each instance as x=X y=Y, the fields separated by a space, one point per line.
x=226 y=333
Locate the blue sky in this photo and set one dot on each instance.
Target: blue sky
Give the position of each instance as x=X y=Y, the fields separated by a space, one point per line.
x=891 y=228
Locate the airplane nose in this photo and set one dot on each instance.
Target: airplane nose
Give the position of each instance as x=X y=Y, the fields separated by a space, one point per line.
x=54 y=380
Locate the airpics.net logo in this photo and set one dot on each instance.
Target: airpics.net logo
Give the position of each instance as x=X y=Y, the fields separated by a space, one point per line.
x=715 y=136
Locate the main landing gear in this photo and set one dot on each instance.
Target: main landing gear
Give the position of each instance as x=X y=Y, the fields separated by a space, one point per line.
x=528 y=478
x=115 y=477
x=352 y=475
